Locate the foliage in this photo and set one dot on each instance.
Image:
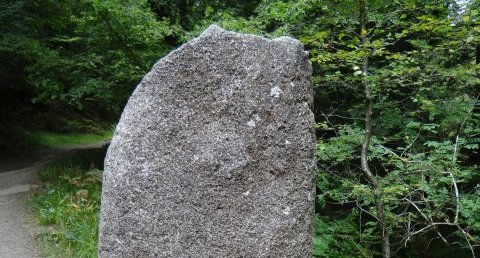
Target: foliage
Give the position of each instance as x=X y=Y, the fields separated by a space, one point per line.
x=83 y=51
x=425 y=83
x=67 y=208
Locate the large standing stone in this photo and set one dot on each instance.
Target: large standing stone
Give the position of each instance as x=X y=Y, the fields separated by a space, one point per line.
x=214 y=155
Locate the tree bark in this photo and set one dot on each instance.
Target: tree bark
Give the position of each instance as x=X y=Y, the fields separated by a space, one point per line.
x=377 y=191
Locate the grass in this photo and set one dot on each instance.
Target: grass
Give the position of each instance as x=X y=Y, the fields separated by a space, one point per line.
x=51 y=132
x=66 y=207
x=57 y=140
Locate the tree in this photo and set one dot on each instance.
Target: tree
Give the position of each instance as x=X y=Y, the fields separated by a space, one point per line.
x=408 y=45
x=377 y=189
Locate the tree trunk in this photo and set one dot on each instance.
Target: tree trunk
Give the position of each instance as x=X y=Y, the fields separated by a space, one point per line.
x=368 y=134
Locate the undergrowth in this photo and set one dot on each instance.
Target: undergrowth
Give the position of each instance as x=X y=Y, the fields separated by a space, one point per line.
x=56 y=140
x=67 y=206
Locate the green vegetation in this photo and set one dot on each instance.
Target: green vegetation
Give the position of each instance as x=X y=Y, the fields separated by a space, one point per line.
x=24 y=142
x=67 y=208
x=57 y=140
x=396 y=100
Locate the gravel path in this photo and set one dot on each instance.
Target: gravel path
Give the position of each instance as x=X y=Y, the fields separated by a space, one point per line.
x=16 y=239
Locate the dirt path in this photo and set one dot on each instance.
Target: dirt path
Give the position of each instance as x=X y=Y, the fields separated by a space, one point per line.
x=16 y=240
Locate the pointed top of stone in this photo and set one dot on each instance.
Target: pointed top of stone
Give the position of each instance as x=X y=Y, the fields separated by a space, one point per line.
x=215 y=30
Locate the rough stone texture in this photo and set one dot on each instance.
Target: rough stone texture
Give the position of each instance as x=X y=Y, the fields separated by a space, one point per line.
x=214 y=155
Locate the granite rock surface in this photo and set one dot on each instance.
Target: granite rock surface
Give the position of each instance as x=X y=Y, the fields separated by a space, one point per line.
x=214 y=155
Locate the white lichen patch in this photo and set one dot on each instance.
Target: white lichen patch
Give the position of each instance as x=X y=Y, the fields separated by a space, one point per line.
x=286 y=211
x=287 y=142
x=247 y=193
x=275 y=92
x=253 y=121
